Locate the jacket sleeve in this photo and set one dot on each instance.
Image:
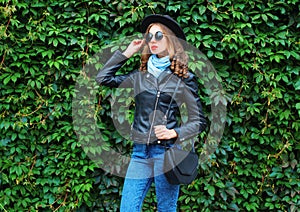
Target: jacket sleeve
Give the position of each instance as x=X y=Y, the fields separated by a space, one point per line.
x=196 y=121
x=107 y=75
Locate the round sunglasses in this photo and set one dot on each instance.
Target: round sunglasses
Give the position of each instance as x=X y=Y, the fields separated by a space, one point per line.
x=158 y=36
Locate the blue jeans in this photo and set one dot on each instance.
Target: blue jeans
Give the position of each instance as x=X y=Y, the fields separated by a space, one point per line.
x=146 y=167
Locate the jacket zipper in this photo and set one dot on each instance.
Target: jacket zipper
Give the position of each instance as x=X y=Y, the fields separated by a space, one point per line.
x=155 y=108
x=153 y=118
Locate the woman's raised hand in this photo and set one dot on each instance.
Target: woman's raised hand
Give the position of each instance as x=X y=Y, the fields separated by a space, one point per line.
x=133 y=47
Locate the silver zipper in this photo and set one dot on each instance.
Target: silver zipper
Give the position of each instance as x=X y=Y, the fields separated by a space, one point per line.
x=155 y=107
x=153 y=118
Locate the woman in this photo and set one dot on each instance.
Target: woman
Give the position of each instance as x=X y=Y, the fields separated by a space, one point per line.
x=161 y=85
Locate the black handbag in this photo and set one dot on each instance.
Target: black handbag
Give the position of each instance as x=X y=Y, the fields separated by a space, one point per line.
x=180 y=166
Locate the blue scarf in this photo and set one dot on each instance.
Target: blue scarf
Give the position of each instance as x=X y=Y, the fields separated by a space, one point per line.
x=157 y=65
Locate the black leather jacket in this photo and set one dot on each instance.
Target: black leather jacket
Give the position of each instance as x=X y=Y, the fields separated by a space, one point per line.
x=153 y=98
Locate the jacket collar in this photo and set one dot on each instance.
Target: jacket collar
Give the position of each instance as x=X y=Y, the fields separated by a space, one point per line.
x=164 y=75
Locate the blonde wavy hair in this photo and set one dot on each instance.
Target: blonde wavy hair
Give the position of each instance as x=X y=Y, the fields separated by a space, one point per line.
x=178 y=57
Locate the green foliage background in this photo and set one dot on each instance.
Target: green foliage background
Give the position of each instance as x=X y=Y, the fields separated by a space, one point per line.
x=255 y=47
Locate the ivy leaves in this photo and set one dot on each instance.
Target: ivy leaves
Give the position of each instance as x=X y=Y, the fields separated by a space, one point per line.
x=254 y=47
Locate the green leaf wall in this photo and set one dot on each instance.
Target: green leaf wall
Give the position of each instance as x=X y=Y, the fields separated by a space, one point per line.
x=44 y=45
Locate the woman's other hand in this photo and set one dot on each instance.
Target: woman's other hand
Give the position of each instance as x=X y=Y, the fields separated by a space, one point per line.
x=162 y=132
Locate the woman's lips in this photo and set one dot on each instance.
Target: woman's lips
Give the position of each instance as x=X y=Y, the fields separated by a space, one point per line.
x=154 y=47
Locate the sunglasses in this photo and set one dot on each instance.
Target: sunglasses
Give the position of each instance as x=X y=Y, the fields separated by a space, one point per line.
x=158 y=36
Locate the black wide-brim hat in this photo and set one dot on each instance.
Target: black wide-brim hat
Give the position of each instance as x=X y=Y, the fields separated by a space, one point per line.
x=165 y=20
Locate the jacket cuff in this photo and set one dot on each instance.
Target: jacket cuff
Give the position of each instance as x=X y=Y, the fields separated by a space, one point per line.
x=120 y=55
x=177 y=130
x=182 y=138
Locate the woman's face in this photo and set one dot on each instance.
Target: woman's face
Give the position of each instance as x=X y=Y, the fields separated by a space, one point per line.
x=158 y=47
